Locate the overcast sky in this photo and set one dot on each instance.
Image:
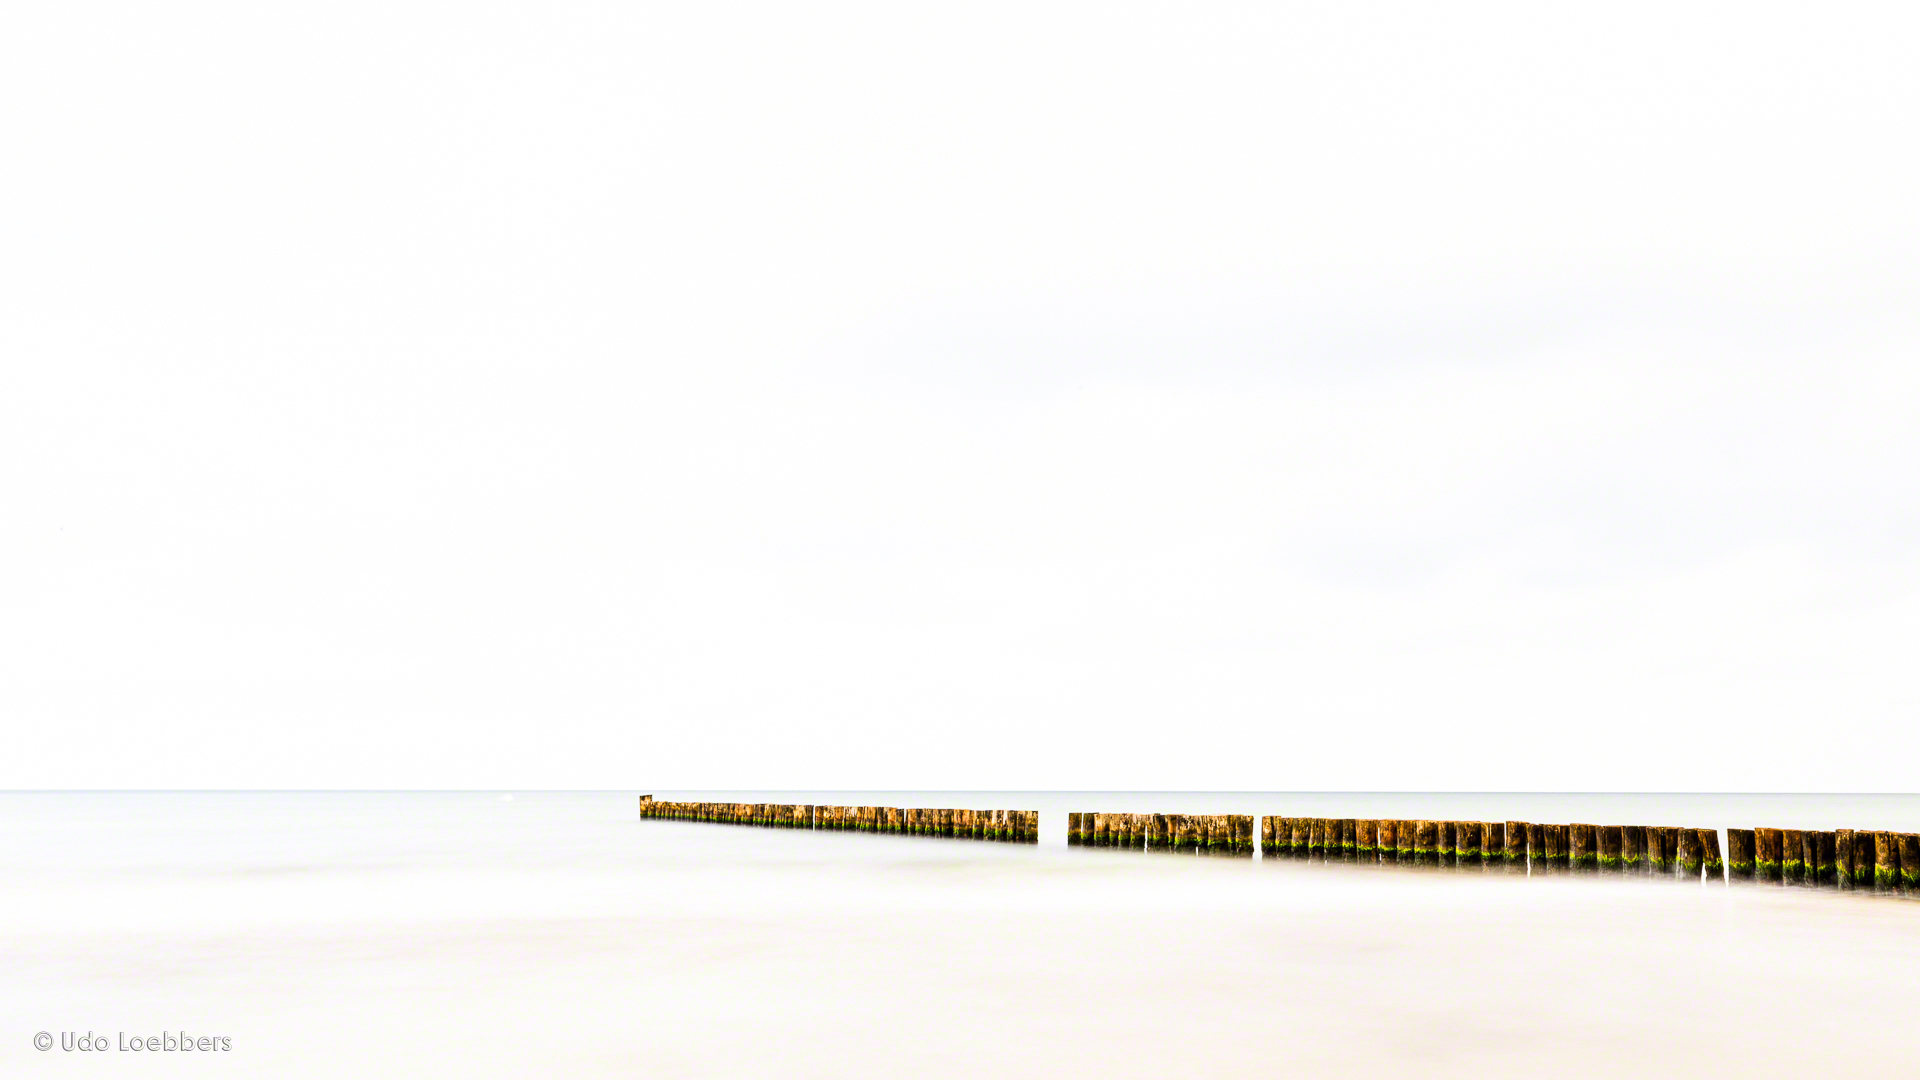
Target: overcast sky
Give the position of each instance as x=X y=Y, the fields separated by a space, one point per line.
x=1037 y=396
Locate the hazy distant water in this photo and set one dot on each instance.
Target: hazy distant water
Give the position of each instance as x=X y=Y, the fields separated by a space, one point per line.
x=554 y=933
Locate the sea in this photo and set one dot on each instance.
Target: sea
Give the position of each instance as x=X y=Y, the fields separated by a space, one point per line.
x=527 y=933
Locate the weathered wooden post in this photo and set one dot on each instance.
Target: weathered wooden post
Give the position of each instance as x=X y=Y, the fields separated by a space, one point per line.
x=1691 y=857
x=1909 y=851
x=1584 y=858
x=1711 y=865
x=1843 y=858
x=1466 y=843
x=1389 y=840
x=1793 y=866
x=1740 y=854
x=1823 y=857
x=1426 y=842
x=1073 y=830
x=1633 y=849
x=1446 y=839
x=1366 y=834
x=1612 y=848
x=1767 y=854
x=1516 y=852
x=1886 y=861
x=1317 y=838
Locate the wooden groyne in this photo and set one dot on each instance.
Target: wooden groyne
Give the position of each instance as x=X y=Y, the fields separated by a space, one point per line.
x=1856 y=859
x=999 y=826
x=1193 y=834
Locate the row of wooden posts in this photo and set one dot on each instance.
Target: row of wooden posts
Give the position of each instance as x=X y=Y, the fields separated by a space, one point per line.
x=1001 y=826
x=1843 y=858
x=1202 y=834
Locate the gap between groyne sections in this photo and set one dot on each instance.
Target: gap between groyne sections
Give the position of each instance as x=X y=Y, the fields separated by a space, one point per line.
x=1000 y=826
x=1842 y=858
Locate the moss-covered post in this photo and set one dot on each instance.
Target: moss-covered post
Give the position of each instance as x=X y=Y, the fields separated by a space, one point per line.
x=1633 y=849
x=1446 y=841
x=1073 y=830
x=1366 y=836
x=1584 y=857
x=1767 y=854
x=1467 y=843
x=1389 y=840
x=1515 y=848
x=1793 y=866
x=1317 y=838
x=1426 y=842
x=1908 y=845
x=1740 y=854
x=1886 y=861
x=1843 y=858
x=1612 y=848
x=1691 y=857
x=1712 y=866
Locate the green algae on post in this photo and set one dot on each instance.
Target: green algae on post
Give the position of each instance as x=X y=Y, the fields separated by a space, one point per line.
x=1633 y=849
x=1387 y=840
x=1612 y=841
x=1690 y=854
x=1767 y=854
x=1886 y=861
x=1582 y=856
x=1740 y=854
x=1793 y=865
x=1710 y=861
x=1426 y=841
x=1466 y=842
x=1516 y=848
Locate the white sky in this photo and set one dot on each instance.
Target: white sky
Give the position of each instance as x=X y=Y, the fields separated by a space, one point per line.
x=1172 y=396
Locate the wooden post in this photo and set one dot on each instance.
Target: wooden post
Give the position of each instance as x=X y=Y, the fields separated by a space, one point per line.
x=1073 y=830
x=1886 y=861
x=1823 y=857
x=1908 y=845
x=1467 y=843
x=1691 y=856
x=1612 y=839
x=1562 y=848
x=1863 y=859
x=1388 y=841
x=1711 y=864
x=1767 y=855
x=1516 y=848
x=1366 y=835
x=1793 y=866
x=1633 y=849
x=1740 y=854
x=1317 y=838
x=1585 y=857
x=1446 y=841
x=1405 y=833
x=1349 y=837
x=1426 y=841
x=1843 y=858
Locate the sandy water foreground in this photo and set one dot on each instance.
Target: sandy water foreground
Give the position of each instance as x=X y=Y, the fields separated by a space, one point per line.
x=855 y=956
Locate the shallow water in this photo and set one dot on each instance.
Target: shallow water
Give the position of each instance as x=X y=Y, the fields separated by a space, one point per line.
x=398 y=934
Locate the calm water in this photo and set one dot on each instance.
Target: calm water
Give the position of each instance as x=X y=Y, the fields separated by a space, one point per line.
x=385 y=934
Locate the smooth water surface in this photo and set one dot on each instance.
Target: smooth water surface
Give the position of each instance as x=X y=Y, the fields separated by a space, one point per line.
x=516 y=934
